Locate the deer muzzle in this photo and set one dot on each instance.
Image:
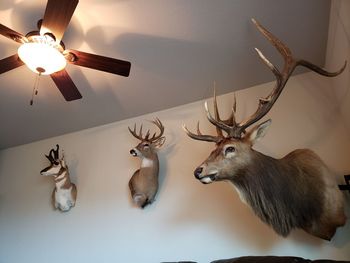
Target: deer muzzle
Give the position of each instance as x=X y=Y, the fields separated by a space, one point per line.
x=133 y=152
x=203 y=177
x=51 y=170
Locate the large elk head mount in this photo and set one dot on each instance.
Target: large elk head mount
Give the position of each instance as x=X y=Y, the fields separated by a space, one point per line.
x=297 y=191
x=144 y=182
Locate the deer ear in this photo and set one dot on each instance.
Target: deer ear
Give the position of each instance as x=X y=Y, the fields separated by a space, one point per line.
x=259 y=131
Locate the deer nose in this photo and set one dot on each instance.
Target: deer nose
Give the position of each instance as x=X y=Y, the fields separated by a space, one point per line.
x=133 y=152
x=198 y=172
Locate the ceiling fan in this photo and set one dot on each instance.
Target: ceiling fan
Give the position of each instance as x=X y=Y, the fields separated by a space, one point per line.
x=45 y=54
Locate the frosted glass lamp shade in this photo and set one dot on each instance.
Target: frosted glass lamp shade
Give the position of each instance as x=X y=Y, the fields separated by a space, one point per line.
x=42 y=57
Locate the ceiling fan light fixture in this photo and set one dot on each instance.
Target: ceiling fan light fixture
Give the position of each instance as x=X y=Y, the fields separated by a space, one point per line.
x=42 y=55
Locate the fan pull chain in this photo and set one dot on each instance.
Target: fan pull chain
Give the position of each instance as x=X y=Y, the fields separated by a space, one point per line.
x=36 y=85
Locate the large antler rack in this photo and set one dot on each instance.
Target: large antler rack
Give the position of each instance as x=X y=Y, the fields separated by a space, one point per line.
x=236 y=130
x=147 y=137
x=231 y=121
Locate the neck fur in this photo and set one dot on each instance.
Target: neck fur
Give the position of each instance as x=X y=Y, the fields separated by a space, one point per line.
x=270 y=192
x=62 y=180
x=149 y=161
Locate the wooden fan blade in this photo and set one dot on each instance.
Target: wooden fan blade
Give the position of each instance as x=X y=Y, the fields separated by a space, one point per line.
x=58 y=13
x=11 y=34
x=10 y=63
x=66 y=85
x=111 y=65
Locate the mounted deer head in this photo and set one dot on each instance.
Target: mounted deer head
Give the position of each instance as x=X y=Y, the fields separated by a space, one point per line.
x=144 y=182
x=297 y=191
x=55 y=163
x=65 y=193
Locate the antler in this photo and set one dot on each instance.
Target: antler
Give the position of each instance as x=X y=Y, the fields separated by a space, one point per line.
x=56 y=153
x=53 y=154
x=265 y=104
x=220 y=124
x=133 y=132
x=236 y=130
x=50 y=157
x=154 y=137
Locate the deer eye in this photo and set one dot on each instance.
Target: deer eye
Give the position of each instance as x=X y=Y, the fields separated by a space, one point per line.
x=230 y=149
x=146 y=145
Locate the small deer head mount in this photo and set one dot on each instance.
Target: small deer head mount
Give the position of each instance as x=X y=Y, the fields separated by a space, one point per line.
x=144 y=182
x=65 y=193
x=148 y=145
x=297 y=191
x=56 y=164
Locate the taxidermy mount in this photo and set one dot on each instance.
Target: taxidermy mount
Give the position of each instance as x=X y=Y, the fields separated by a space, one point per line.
x=65 y=193
x=144 y=182
x=296 y=191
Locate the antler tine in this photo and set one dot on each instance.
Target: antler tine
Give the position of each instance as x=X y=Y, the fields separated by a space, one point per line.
x=50 y=157
x=274 y=70
x=56 y=152
x=198 y=130
x=234 y=103
x=288 y=57
x=155 y=133
x=319 y=70
x=147 y=135
x=140 y=132
x=282 y=48
x=159 y=124
x=200 y=136
x=219 y=124
x=134 y=133
x=265 y=104
x=232 y=117
x=216 y=112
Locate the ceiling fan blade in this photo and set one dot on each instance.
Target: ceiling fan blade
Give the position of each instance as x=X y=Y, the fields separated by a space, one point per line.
x=111 y=65
x=11 y=34
x=66 y=85
x=58 y=13
x=10 y=63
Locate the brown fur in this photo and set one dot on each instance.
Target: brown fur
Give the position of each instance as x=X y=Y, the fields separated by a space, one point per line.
x=144 y=183
x=297 y=191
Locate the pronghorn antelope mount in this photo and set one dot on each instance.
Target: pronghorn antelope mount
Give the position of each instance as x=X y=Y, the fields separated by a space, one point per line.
x=144 y=182
x=64 y=195
x=296 y=191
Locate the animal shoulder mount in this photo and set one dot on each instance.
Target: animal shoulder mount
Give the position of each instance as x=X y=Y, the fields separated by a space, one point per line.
x=65 y=193
x=296 y=191
x=144 y=182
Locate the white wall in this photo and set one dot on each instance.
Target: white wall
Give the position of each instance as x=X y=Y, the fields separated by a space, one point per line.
x=188 y=220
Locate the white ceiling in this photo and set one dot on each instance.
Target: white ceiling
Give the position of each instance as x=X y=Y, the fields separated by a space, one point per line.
x=177 y=49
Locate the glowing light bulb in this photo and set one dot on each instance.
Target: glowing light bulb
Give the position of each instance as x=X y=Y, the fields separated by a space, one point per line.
x=41 y=56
